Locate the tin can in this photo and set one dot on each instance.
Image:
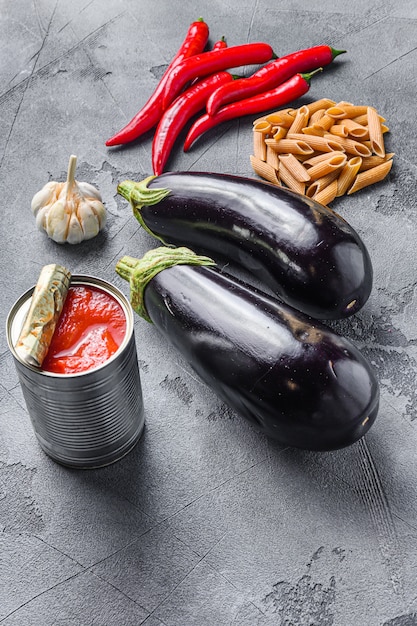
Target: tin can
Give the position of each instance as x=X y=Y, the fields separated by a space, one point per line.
x=89 y=419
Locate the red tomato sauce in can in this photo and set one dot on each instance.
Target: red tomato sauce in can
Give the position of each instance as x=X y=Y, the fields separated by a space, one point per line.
x=89 y=331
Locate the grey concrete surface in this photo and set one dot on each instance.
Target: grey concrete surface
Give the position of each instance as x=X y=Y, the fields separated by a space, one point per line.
x=205 y=522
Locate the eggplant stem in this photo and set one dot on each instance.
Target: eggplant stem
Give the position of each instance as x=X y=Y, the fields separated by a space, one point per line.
x=138 y=195
x=138 y=272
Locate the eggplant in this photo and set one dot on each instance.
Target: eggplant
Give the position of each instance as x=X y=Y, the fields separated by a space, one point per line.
x=309 y=256
x=291 y=377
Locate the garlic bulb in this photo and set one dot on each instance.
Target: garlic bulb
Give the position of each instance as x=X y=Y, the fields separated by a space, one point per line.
x=69 y=212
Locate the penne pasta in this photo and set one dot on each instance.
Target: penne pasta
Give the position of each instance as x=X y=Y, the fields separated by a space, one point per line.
x=314 y=129
x=279 y=132
x=316 y=116
x=323 y=103
x=351 y=146
x=282 y=118
x=322 y=144
x=323 y=149
x=305 y=157
x=295 y=146
x=324 y=167
x=297 y=169
x=371 y=176
x=347 y=110
x=363 y=119
x=264 y=170
x=348 y=175
x=272 y=157
x=259 y=145
x=358 y=131
x=300 y=120
x=325 y=122
x=373 y=161
x=322 y=156
x=328 y=194
x=271 y=117
x=291 y=182
x=319 y=184
x=262 y=126
x=339 y=130
x=375 y=132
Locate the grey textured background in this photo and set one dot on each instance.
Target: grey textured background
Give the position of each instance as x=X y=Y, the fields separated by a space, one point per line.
x=205 y=522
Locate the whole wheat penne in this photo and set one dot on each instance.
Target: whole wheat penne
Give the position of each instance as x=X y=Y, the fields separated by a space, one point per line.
x=351 y=146
x=322 y=156
x=295 y=146
x=314 y=117
x=347 y=110
x=300 y=120
x=305 y=157
x=294 y=166
x=339 y=130
x=361 y=119
x=355 y=130
x=287 y=177
x=314 y=129
x=326 y=195
x=324 y=167
x=272 y=157
x=319 y=184
x=279 y=132
x=323 y=144
x=325 y=122
x=375 y=132
x=374 y=160
x=262 y=126
x=324 y=149
x=271 y=116
x=336 y=112
x=348 y=175
x=369 y=177
x=259 y=145
x=282 y=118
x=323 y=103
x=264 y=170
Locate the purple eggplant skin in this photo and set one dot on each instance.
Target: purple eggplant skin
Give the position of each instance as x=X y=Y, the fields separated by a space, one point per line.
x=295 y=380
x=309 y=256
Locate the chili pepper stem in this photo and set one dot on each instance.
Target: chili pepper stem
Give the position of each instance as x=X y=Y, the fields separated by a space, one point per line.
x=335 y=52
x=307 y=77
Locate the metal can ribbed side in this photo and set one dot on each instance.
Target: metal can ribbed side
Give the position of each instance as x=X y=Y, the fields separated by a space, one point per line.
x=91 y=419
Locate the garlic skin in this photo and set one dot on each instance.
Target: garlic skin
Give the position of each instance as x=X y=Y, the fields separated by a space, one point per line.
x=69 y=212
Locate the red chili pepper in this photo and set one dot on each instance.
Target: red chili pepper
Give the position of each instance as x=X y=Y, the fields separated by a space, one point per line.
x=150 y=113
x=219 y=45
x=292 y=89
x=181 y=111
x=271 y=75
x=178 y=114
x=213 y=61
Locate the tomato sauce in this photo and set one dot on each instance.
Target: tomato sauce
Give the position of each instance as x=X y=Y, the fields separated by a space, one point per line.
x=90 y=329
